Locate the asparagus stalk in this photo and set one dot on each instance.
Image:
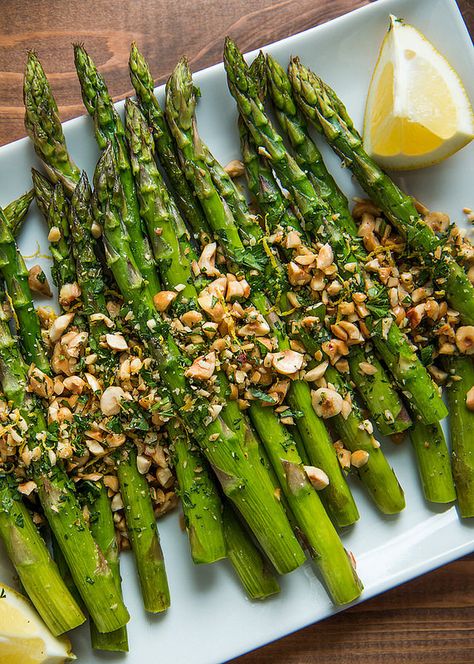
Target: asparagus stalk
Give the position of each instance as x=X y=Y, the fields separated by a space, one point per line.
x=143 y=83
x=141 y=526
x=63 y=269
x=170 y=238
x=44 y=126
x=307 y=155
x=43 y=191
x=252 y=569
x=16 y=211
x=15 y=275
x=321 y=106
x=433 y=462
x=409 y=374
x=245 y=482
x=66 y=576
x=382 y=401
x=336 y=496
x=207 y=543
x=168 y=234
x=58 y=213
x=461 y=421
x=180 y=98
x=109 y=128
x=442 y=488
x=26 y=549
x=173 y=254
x=141 y=523
x=32 y=561
x=280 y=447
x=103 y=530
x=379 y=474
x=376 y=391
x=91 y=573
x=170 y=241
x=202 y=507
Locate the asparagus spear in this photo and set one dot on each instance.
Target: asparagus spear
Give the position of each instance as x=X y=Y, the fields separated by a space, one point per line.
x=143 y=83
x=15 y=275
x=43 y=191
x=434 y=467
x=174 y=254
x=16 y=211
x=44 y=126
x=108 y=127
x=306 y=152
x=321 y=106
x=351 y=428
x=380 y=398
x=461 y=421
x=410 y=375
x=337 y=496
x=58 y=213
x=25 y=547
x=139 y=514
x=428 y=440
x=279 y=445
x=244 y=481
x=103 y=530
x=171 y=244
x=91 y=573
x=203 y=512
x=376 y=391
x=207 y=542
x=63 y=270
x=251 y=568
x=299 y=397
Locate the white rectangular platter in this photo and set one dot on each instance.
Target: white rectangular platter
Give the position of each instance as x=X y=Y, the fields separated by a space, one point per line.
x=210 y=619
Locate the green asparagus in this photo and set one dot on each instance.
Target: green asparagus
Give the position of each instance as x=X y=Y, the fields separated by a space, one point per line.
x=410 y=375
x=461 y=422
x=56 y=493
x=139 y=515
x=321 y=106
x=108 y=127
x=17 y=210
x=207 y=542
x=434 y=466
x=44 y=126
x=57 y=211
x=379 y=396
x=24 y=545
x=243 y=480
x=281 y=449
x=143 y=83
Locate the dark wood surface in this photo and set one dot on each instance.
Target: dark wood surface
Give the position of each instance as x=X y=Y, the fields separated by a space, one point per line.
x=428 y=621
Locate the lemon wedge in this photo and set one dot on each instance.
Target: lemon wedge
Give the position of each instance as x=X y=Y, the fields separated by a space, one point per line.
x=417 y=111
x=24 y=638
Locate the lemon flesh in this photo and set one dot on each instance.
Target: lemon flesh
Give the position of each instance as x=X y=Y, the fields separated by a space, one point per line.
x=24 y=638
x=417 y=111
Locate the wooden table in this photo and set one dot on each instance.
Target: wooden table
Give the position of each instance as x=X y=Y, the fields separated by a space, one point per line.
x=428 y=621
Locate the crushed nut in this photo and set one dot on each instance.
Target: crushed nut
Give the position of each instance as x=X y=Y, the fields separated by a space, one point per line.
x=163 y=299
x=59 y=326
x=317 y=477
x=38 y=282
x=326 y=402
x=359 y=458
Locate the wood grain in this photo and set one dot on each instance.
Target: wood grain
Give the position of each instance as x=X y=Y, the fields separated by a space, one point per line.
x=428 y=621
x=164 y=30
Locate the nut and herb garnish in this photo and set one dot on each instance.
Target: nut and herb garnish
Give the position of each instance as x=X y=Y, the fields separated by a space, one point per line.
x=236 y=357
